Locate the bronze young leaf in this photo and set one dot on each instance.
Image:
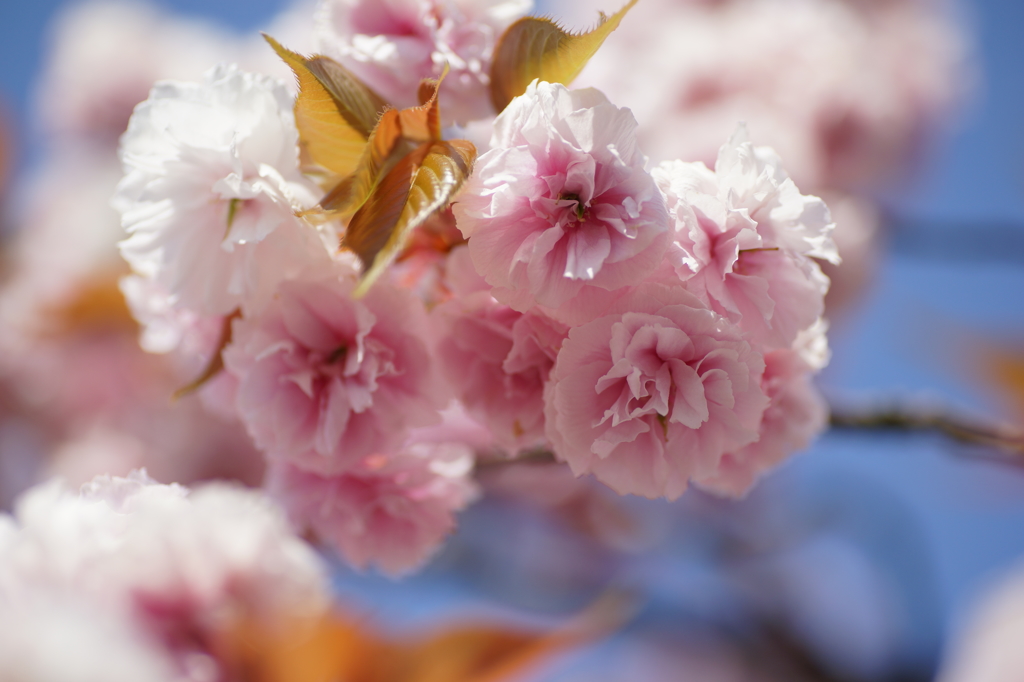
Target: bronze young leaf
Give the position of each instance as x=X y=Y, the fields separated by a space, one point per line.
x=421 y=184
x=396 y=134
x=536 y=48
x=334 y=111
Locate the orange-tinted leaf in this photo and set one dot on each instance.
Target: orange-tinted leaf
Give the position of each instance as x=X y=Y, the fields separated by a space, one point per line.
x=384 y=149
x=395 y=135
x=96 y=306
x=482 y=653
x=1006 y=371
x=539 y=48
x=334 y=111
x=423 y=123
x=216 y=362
x=421 y=183
x=324 y=649
x=333 y=648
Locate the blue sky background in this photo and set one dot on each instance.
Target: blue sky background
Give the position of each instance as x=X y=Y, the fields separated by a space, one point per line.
x=955 y=273
x=977 y=175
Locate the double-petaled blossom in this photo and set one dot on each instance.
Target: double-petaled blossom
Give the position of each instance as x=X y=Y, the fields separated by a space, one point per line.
x=180 y=564
x=745 y=238
x=654 y=393
x=845 y=90
x=498 y=360
x=211 y=189
x=391 y=511
x=325 y=380
x=796 y=414
x=393 y=44
x=560 y=210
x=63 y=638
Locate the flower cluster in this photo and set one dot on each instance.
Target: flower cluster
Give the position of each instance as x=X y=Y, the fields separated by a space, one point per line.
x=130 y=579
x=653 y=328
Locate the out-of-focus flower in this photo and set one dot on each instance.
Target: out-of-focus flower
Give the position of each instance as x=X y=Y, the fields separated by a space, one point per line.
x=845 y=90
x=744 y=237
x=69 y=350
x=391 y=511
x=182 y=565
x=561 y=206
x=106 y=56
x=393 y=44
x=46 y=638
x=654 y=393
x=326 y=380
x=209 y=207
x=857 y=237
x=988 y=650
x=150 y=544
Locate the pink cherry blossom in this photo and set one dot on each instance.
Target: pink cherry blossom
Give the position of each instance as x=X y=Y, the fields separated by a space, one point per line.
x=393 y=44
x=846 y=90
x=797 y=413
x=106 y=55
x=561 y=205
x=391 y=511
x=654 y=393
x=325 y=380
x=181 y=564
x=211 y=188
x=744 y=240
x=988 y=648
x=498 y=360
x=62 y=638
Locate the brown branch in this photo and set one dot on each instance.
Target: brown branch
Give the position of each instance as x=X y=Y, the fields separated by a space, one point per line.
x=962 y=429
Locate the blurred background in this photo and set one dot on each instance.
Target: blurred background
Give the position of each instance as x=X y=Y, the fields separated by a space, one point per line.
x=860 y=559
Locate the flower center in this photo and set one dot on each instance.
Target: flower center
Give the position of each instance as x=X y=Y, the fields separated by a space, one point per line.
x=337 y=355
x=577 y=207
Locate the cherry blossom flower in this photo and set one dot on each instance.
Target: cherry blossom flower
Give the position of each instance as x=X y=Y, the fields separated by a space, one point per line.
x=988 y=649
x=561 y=205
x=654 y=393
x=211 y=188
x=106 y=56
x=796 y=414
x=181 y=564
x=391 y=511
x=46 y=638
x=325 y=380
x=393 y=44
x=498 y=360
x=744 y=240
x=847 y=91
x=132 y=538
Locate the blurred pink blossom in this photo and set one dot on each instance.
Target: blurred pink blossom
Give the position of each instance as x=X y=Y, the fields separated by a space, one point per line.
x=50 y=638
x=393 y=44
x=988 y=648
x=847 y=91
x=391 y=510
x=181 y=564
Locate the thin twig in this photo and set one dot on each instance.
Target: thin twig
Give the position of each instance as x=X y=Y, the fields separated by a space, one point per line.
x=944 y=422
x=890 y=417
